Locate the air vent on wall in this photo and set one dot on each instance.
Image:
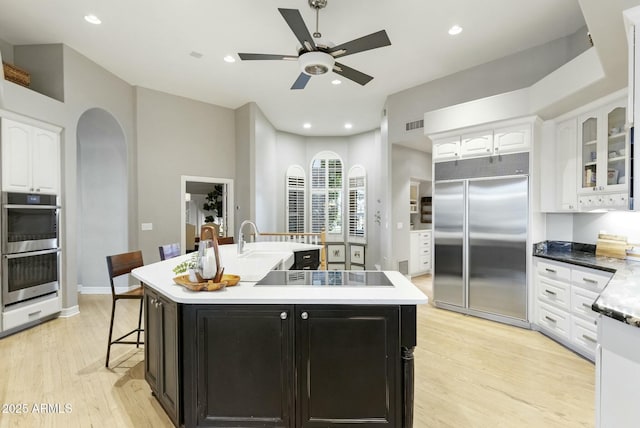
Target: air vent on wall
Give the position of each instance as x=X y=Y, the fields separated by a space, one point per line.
x=410 y=126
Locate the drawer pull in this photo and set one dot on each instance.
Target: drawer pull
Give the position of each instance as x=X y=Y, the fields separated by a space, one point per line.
x=34 y=313
x=550 y=292
x=587 y=306
x=308 y=256
x=592 y=281
x=548 y=318
x=589 y=338
x=550 y=270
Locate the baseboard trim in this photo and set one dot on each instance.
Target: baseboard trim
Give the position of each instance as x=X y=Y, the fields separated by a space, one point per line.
x=69 y=312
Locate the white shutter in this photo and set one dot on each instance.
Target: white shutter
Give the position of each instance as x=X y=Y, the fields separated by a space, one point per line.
x=357 y=204
x=295 y=211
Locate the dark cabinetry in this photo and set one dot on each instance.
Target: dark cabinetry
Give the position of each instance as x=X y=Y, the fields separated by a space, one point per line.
x=293 y=366
x=162 y=350
x=304 y=260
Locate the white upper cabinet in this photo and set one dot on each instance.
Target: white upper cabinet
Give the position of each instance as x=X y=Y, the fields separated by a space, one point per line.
x=486 y=140
x=477 y=144
x=566 y=165
x=603 y=149
x=30 y=158
x=446 y=148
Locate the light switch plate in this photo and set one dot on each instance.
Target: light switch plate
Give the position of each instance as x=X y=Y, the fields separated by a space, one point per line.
x=146 y=226
x=399 y=225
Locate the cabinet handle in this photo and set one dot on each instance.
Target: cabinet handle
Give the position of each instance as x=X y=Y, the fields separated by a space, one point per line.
x=455 y=154
x=589 y=338
x=548 y=318
x=488 y=150
x=304 y=315
x=550 y=270
x=550 y=292
x=308 y=256
x=592 y=281
x=37 y=190
x=587 y=306
x=283 y=315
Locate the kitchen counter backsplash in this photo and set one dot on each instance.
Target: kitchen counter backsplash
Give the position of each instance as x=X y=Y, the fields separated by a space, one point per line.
x=620 y=299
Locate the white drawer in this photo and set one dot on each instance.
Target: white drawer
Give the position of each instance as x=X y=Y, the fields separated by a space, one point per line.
x=581 y=300
x=424 y=251
x=425 y=236
x=32 y=312
x=553 y=270
x=554 y=292
x=590 y=278
x=554 y=320
x=425 y=263
x=584 y=334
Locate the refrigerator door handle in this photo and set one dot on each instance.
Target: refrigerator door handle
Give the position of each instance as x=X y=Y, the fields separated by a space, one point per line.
x=465 y=243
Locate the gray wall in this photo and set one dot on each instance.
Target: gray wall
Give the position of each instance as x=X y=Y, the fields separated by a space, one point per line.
x=86 y=86
x=176 y=136
x=291 y=151
x=102 y=195
x=45 y=66
x=502 y=75
x=244 y=164
x=266 y=180
x=406 y=164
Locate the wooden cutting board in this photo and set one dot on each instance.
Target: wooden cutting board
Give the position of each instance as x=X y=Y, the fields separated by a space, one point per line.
x=614 y=246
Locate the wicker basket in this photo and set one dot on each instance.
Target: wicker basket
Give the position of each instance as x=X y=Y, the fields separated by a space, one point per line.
x=16 y=75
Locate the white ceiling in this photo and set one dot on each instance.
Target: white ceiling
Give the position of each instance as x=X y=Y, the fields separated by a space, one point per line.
x=148 y=43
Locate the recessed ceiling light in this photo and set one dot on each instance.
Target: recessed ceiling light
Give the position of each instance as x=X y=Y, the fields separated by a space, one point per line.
x=456 y=29
x=348 y=125
x=336 y=81
x=92 y=19
x=229 y=58
x=307 y=125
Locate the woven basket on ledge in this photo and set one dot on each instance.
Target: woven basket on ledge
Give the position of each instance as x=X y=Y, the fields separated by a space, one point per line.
x=16 y=75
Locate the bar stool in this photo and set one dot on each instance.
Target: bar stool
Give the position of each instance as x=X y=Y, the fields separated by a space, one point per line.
x=169 y=251
x=118 y=265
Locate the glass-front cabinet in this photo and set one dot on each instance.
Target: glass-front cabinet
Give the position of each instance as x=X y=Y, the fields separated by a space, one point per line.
x=603 y=149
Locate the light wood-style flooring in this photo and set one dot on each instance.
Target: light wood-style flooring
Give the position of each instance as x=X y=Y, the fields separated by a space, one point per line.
x=469 y=373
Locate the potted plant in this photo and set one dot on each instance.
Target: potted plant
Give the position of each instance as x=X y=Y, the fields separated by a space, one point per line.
x=213 y=202
x=190 y=266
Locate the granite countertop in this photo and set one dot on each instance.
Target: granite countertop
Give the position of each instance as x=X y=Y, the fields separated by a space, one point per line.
x=620 y=299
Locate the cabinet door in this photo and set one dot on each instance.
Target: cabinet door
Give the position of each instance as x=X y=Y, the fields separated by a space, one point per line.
x=16 y=168
x=512 y=139
x=588 y=151
x=152 y=339
x=477 y=144
x=244 y=367
x=414 y=253
x=168 y=391
x=616 y=147
x=566 y=173
x=348 y=362
x=446 y=149
x=45 y=161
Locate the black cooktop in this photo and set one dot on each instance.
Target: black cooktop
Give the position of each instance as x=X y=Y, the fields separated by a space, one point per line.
x=331 y=278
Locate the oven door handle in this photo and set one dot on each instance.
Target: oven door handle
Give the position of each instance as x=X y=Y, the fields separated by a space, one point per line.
x=32 y=207
x=31 y=254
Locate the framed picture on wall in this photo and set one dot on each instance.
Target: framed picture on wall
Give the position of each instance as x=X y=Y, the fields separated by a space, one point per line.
x=356 y=267
x=335 y=253
x=357 y=254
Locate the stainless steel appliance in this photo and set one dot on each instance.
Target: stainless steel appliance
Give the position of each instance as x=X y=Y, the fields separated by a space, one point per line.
x=480 y=209
x=30 y=246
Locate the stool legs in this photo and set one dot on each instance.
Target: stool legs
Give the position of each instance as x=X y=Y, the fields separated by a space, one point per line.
x=113 y=311
x=139 y=323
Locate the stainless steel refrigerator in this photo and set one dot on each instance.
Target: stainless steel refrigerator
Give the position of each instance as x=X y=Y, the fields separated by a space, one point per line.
x=480 y=210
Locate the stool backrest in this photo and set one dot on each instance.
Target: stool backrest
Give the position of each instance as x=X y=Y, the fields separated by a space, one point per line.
x=169 y=251
x=122 y=264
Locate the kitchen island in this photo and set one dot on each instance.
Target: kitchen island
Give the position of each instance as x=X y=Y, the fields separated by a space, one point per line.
x=283 y=349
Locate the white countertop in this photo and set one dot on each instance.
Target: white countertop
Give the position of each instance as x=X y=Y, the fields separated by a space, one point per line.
x=261 y=258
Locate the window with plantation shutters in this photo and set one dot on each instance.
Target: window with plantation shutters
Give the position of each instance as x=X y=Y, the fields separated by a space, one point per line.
x=357 y=204
x=295 y=183
x=327 y=194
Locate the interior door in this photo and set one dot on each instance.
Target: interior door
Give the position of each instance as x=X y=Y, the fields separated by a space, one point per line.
x=448 y=227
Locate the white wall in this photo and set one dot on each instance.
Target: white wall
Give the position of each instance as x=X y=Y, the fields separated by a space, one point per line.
x=291 y=151
x=267 y=182
x=584 y=227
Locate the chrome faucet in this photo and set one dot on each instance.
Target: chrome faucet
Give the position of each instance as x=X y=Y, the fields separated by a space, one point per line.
x=241 y=235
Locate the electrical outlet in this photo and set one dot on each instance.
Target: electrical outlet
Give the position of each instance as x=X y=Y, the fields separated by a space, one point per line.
x=146 y=226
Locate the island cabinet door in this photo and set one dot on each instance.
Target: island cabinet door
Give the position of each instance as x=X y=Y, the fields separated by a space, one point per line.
x=241 y=370
x=153 y=331
x=348 y=365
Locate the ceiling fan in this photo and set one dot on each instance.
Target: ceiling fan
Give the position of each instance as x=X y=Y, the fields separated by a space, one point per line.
x=316 y=59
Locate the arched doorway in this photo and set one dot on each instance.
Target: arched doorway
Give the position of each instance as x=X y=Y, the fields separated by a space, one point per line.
x=102 y=197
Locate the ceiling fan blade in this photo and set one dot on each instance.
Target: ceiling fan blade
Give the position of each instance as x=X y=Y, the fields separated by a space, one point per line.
x=299 y=28
x=352 y=74
x=372 y=41
x=257 y=56
x=301 y=81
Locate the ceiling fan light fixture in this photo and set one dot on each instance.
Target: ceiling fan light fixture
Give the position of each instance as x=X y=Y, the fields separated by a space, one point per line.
x=316 y=63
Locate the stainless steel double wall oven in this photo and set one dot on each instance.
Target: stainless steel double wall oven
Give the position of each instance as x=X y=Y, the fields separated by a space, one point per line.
x=30 y=246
